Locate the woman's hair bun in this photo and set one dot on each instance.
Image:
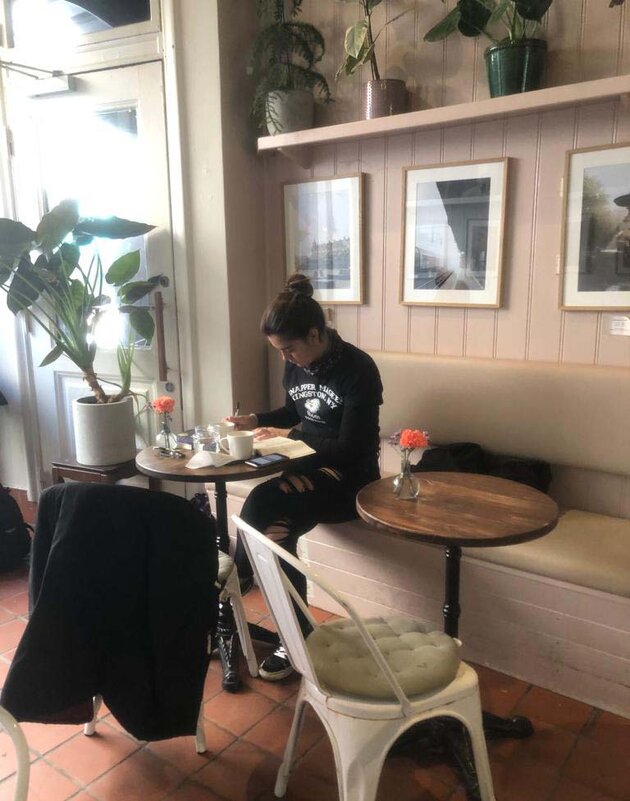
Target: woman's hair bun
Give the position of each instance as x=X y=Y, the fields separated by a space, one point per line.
x=298 y=284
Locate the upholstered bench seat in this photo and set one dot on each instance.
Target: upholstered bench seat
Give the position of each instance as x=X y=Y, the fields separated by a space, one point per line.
x=586 y=549
x=554 y=611
x=344 y=664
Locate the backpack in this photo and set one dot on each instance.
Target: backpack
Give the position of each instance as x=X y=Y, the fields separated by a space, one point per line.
x=15 y=540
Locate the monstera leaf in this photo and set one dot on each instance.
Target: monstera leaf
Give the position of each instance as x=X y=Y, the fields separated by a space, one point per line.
x=55 y=226
x=110 y=227
x=15 y=239
x=532 y=9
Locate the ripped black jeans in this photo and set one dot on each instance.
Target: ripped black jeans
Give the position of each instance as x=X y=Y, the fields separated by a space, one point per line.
x=286 y=507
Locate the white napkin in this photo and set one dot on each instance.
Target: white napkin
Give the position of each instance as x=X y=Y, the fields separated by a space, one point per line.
x=207 y=458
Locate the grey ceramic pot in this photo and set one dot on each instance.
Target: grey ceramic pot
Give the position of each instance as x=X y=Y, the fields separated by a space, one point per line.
x=289 y=110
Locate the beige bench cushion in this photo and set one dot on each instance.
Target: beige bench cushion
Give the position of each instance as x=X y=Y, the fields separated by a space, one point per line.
x=566 y=414
x=586 y=549
x=422 y=660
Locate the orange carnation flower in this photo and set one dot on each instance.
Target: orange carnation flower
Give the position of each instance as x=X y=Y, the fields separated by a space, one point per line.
x=163 y=405
x=413 y=438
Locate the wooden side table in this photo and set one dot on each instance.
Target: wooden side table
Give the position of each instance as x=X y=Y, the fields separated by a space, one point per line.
x=103 y=474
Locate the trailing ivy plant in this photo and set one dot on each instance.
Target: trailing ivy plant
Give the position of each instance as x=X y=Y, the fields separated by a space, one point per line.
x=41 y=272
x=284 y=54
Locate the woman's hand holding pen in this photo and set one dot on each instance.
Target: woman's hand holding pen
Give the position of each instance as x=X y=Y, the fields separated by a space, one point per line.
x=242 y=422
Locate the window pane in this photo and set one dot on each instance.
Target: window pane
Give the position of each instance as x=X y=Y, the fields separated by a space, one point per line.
x=64 y=22
x=92 y=157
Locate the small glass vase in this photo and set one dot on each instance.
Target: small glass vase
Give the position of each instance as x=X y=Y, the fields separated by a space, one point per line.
x=165 y=437
x=406 y=485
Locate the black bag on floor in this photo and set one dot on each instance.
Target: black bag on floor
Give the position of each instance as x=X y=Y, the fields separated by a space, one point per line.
x=15 y=540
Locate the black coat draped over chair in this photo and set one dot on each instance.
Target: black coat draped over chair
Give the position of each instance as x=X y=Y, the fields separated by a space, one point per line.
x=122 y=597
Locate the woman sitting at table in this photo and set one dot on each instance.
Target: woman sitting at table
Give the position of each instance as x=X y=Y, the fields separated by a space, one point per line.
x=333 y=391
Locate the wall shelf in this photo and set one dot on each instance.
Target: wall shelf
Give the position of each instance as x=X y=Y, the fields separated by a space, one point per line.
x=298 y=144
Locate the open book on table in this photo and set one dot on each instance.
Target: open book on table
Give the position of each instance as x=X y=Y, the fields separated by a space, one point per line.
x=293 y=448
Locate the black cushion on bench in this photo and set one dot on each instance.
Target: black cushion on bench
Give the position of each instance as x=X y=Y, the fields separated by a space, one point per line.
x=469 y=457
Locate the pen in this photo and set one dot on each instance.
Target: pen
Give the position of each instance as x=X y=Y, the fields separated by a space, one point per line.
x=237 y=409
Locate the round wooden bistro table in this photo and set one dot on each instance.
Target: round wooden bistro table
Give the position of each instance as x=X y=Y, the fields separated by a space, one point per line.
x=168 y=468
x=455 y=510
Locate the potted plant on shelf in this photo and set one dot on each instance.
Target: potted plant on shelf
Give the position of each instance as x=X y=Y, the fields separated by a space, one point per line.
x=68 y=300
x=381 y=96
x=515 y=61
x=282 y=60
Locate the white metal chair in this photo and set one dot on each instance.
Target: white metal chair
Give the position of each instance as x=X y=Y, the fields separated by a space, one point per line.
x=12 y=728
x=231 y=591
x=367 y=680
x=227 y=581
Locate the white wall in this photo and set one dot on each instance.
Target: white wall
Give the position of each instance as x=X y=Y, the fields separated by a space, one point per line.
x=12 y=452
x=223 y=193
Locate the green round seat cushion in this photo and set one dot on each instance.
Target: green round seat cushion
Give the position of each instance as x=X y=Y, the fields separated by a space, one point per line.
x=422 y=660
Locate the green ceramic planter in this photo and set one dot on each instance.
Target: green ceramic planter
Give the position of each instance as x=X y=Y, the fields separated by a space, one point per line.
x=515 y=66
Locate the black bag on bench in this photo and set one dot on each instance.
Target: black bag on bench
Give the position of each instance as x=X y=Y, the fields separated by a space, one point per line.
x=469 y=457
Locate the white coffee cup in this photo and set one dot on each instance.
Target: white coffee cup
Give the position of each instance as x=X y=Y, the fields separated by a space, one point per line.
x=240 y=444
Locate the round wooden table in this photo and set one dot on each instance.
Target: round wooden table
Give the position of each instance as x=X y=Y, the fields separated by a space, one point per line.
x=456 y=510
x=169 y=468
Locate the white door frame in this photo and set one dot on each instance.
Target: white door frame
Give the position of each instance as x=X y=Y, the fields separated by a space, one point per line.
x=166 y=49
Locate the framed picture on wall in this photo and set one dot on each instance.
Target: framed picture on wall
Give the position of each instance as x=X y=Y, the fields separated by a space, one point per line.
x=323 y=236
x=596 y=230
x=452 y=234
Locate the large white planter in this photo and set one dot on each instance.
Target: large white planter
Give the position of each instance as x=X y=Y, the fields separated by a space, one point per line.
x=104 y=433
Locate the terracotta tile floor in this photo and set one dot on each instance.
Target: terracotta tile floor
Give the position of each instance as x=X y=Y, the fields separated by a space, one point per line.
x=578 y=753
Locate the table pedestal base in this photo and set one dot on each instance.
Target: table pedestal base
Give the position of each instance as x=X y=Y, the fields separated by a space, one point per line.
x=517 y=727
x=447 y=739
x=443 y=739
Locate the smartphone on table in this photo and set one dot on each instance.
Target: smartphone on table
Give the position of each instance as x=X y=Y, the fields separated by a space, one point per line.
x=265 y=461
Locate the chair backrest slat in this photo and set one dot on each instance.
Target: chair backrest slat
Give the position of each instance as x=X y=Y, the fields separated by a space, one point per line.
x=272 y=583
x=264 y=556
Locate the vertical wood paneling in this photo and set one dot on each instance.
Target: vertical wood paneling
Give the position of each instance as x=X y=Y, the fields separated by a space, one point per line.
x=480 y=324
x=347 y=317
x=522 y=183
x=599 y=42
x=372 y=163
x=556 y=137
x=399 y=39
x=586 y=40
x=427 y=148
x=431 y=57
x=624 y=50
x=459 y=76
x=398 y=155
x=613 y=351
x=581 y=329
x=457 y=146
